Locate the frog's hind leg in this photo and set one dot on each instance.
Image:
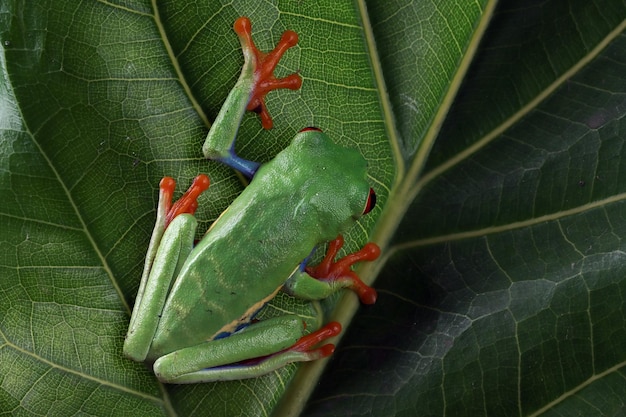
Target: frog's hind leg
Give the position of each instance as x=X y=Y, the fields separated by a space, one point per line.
x=260 y=348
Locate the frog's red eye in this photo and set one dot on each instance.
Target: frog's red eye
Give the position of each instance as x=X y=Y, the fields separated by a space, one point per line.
x=371 y=202
x=306 y=129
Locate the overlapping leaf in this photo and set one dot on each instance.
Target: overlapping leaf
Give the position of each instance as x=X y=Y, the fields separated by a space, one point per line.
x=503 y=293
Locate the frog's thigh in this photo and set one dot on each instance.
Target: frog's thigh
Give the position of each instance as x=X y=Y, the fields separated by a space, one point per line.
x=263 y=338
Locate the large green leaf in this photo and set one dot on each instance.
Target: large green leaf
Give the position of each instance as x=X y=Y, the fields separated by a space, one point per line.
x=501 y=284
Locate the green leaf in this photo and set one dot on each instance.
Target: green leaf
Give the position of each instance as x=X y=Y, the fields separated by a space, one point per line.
x=501 y=288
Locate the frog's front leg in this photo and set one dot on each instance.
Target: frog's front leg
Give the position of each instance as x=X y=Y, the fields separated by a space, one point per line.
x=256 y=80
x=171 y=243
x=319 y=282
x=256 y=350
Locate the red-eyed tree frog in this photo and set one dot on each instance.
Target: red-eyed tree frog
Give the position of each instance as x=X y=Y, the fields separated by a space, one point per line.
x=195 y=308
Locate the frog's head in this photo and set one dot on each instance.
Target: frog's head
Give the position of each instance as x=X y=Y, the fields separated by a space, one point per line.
x=336 y=188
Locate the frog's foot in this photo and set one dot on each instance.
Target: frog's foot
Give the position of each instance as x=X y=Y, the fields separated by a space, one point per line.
x=188 y=203
x=264 y=64
x=303 y=350
x=339 y=272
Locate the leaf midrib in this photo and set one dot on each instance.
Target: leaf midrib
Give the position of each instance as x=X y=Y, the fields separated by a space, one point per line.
x=408 y=183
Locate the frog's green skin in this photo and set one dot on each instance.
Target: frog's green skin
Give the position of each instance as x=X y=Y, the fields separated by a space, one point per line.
x=194 y=306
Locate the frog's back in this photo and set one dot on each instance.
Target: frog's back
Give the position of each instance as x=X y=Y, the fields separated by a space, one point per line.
x=248 y=253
